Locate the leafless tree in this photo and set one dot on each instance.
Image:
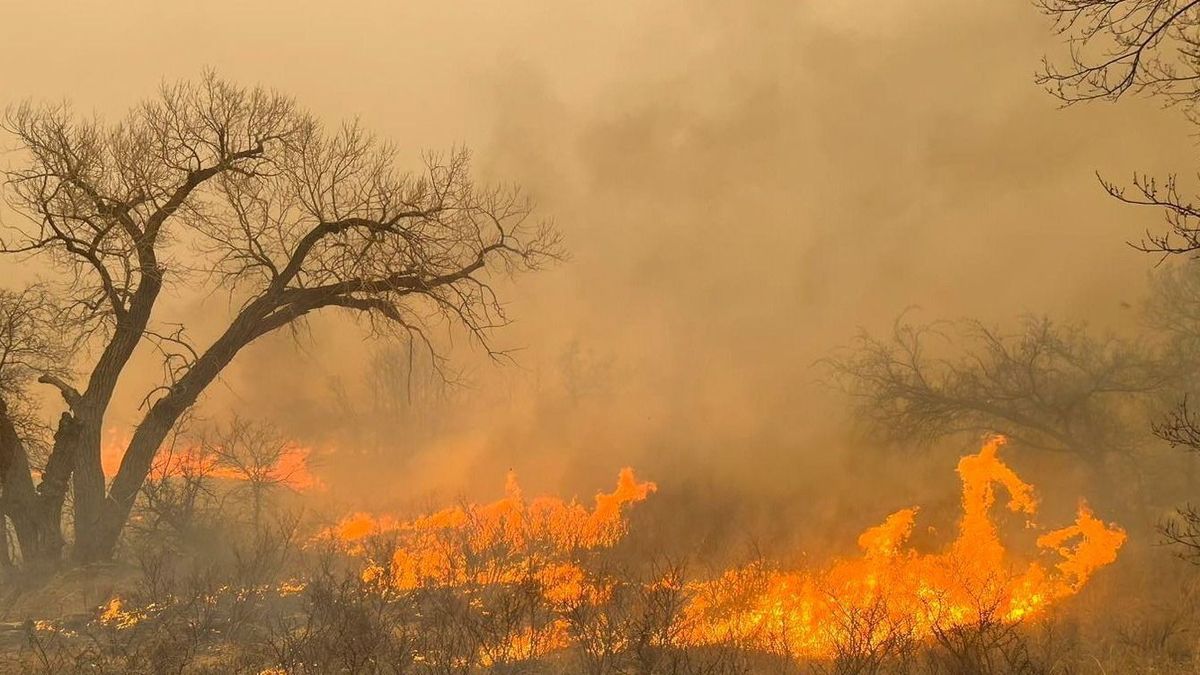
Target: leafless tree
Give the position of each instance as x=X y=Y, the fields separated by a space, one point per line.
x=1048 y=386
x=178 y=497
x=408 y=401
x=29 y=348
x=1181 y=429
x=255 y=456
x=238 y=190
x=1118 y=46
x=1149 y=47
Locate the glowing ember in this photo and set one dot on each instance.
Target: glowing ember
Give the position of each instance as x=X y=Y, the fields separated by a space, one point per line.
x=894 y=592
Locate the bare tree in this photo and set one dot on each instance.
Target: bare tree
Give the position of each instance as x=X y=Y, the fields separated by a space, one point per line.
x=408 y=400
x=177 y=495
x=257 y=457
x=1118 y=46
x=1181 y=429
x=1149 y=47
x=29 y=348
x=1049 y=386
x=238 y=189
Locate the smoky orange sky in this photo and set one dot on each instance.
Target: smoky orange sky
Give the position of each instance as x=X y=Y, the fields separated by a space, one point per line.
x=741 y=186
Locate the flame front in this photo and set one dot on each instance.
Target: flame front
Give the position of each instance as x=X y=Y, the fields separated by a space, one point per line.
x=893 y=592
x=509 y=542
x=496 y=542
x=544 y=551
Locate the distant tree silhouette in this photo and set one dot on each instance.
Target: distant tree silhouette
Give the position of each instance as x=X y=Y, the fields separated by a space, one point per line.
x=1049 y=386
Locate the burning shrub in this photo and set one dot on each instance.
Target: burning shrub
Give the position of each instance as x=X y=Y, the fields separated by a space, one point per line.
x=527 y=585
x=893 y=592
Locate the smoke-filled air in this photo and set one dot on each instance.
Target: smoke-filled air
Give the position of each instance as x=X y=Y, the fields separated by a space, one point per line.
x=628 y=338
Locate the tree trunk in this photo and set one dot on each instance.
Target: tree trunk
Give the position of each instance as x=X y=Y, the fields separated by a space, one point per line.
x=90 y=407
x=101 y=541
x=36 y=514
x=102 y=533
x=88 y=481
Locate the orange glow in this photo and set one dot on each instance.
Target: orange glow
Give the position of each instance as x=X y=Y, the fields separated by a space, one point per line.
x=290 y=468
x=892 y=591
x=114 y=615
x=493 y=543
x=889 y=593
x=509 y=541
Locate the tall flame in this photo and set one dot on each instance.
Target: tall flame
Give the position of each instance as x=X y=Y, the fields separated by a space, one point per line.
x=492 y=543
x=893 y=591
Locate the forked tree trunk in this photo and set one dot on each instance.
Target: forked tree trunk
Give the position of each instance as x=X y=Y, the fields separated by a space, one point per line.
x=36 y=514
x=88 y=409
x=99 y=540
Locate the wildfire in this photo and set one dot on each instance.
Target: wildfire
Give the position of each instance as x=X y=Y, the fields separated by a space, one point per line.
x=509 y=542
x=115 y=614
x=539 y=554
x=893 y=592
x=890 y=593
x=289 y=467
x=496 y=542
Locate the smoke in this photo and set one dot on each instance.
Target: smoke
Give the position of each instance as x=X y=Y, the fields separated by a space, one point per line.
x=741 y=185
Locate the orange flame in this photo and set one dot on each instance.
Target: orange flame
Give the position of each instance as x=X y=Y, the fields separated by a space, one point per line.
x=291 y=468
x=894 y=592
x=890 y=594
x=492 y=543
x=508 y=541
x=115 y=614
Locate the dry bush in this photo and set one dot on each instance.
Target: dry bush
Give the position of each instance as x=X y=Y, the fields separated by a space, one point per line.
x=202 y=608
x=869 y=641
x=344 y=625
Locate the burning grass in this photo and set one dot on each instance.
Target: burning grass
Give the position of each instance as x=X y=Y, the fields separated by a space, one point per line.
x=531 y=584
x=894 y=592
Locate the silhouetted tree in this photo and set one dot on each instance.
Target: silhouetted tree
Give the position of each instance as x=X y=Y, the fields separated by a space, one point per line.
x=211 y=183
x=1149 y=47
x=1118 y=46
x=407 y=399
x=1048 y=386
x=258 y=459
x=30 y=347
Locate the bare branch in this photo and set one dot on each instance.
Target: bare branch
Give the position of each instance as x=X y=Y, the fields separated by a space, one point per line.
x=1118 y=46
x=69 y=393
x=1052 y=387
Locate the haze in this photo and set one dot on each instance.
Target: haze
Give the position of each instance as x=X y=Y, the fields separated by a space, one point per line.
x=741 y=186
